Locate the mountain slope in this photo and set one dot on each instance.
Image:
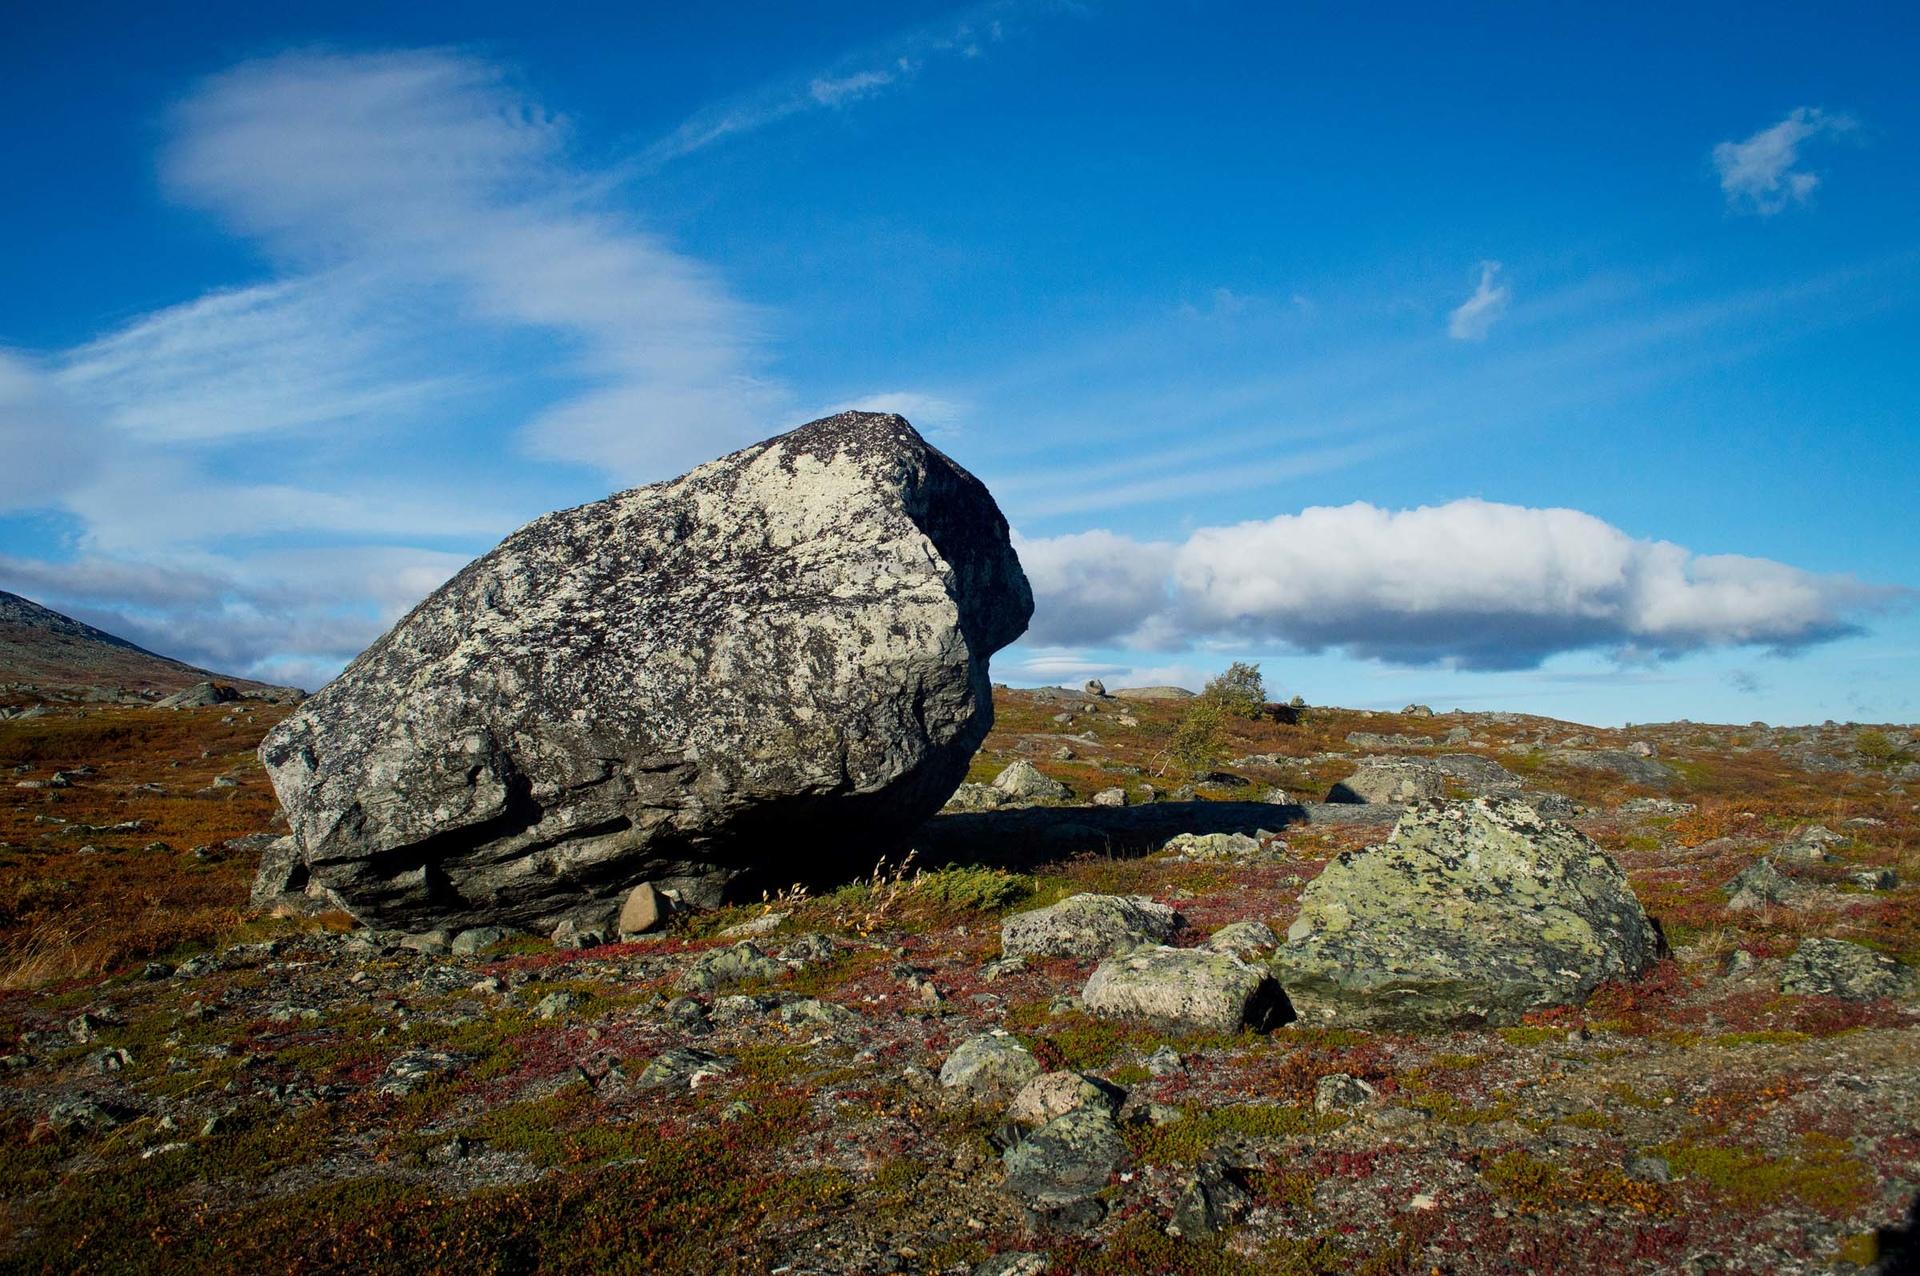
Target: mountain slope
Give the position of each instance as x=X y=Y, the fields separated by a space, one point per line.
x=46 y=655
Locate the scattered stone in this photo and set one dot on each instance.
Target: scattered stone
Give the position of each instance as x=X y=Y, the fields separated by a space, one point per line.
x=765 y=924
x=1758 y=885
x=1115 y=796
x=1060 y=1169
x=636 y=689
x=1875 y=879
x=1017 y=1264
x=726 y=967
x=1276 y=797
x=976 y=797
x=1187 y=988
x=1088 y=926
x=1837 y=968
x=1214 y=846
x=1001 y=967
x=1630 y=767
x=682 y=1067
x=109 y=1059
x=1153 y=693
x=1054 y=1094
x=477 y=939
x=82 y=1114
x=1022 y=781
x=1340 y=1092
x=1212 y=1201
x=1476 y=911
x=993 y=1062
x=1417 y=711
x=1094 y=687
x=1656 y=806
x=1243 y=938
x=556 y=1004
x=417 y=1068
x=199 y=695
x=1647 y=1168
x=1165 y=1061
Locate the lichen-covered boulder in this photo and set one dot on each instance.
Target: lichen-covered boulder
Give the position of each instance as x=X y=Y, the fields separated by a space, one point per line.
x=1088 y=926
x=771 y=662
x=1194 y=989
x=1060 y=1168
x=1851 y=972
x=992 y=1062
x=1476 y=911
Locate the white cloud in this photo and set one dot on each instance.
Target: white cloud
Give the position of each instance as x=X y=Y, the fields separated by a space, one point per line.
x=834 y=90
x=429 y=183
x=1470 y=583
x=50 y=444
x=859 y=76
x=1473 y=318
x=1761 y=174
x=1096 y=585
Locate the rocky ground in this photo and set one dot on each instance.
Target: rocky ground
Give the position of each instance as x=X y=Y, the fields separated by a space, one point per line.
x=880 y=1078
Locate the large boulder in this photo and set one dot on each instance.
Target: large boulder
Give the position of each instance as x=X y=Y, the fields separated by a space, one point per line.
x=1405 y=780
x=1476 y=911
x=772 y=662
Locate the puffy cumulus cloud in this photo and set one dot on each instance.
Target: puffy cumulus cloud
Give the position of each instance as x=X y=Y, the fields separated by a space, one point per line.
x=1092 y=587
x=1474 y=318
x=1762 y=174
x=1471 y=583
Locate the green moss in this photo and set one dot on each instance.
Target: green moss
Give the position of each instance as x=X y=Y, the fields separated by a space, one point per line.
x=1781 y=1038
x=1528 y=1036
x=1141 y=1244
x=1195 y=1134
x=1823 y=1174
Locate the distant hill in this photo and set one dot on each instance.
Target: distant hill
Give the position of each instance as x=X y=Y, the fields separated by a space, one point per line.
x=47 y=656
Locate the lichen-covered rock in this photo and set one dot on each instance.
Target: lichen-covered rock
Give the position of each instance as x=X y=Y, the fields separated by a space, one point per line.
x=1088 y=926
x=1023 y=782
x=1836 y=968
x=762 y=665
x=1214 y=846
x=1628 y=766
x=1757 y=885
x=1066 y=1162
x=743 y=963
x=990 y=1063
x=1243 y=938
x=1474 y=911
x=1187 y=988
x=1054 y=1094
x=1408 y=780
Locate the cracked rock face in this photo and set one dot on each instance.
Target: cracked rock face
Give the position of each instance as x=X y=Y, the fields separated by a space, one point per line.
x=1471 y=911
x=774 y=661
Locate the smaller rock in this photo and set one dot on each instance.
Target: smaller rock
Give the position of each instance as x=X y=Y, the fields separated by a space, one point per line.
x=1115 y=796
x=1875 y=879
x=1094 y=687
x=1276 y=797
x=725 y=967
x=1186 y=988
x=556 y=1004
x=1088 y=926
x=81 y=1114
x=1017 y=1264
x=990 y=1063
x=110 y=1059
x=1757 y=885
x=1646 y=1168
x=1214 y=846
x=1001 y=967
x=1060 y=1169
x=1417 y=711
x=976 y=797
x=1243 y=938
x=644 y=909
x=1054 y=1094
x=1165 y=1061
x=689 y=1015
x=476 y=939
x=1837 y=968
x=1023 y=781
x=682 y=1067
x=1340 y=1092
x=1212 y=1200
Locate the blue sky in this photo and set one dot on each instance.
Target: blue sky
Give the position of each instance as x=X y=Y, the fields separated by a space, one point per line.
x=1503 y=357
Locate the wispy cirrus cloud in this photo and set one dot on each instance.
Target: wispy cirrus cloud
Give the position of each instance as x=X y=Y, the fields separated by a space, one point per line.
x=889 y=65
x=1763 y=174
x=1474 y=318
